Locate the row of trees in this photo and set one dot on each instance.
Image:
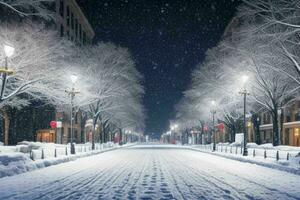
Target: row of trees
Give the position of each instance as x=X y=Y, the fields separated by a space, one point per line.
x=42 y=63
x=262 y=42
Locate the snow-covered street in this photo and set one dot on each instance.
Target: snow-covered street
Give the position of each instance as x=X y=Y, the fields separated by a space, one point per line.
x=152 y=172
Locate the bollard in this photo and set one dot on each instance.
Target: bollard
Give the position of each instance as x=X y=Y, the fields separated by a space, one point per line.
x=277 y=156
x=265 y=154
x=55 y=153
x=222 y=148
x=287 y=156
x=31 y=155
x=43 y=156
x=253 y=152
x=226 y=149
x=66 y=151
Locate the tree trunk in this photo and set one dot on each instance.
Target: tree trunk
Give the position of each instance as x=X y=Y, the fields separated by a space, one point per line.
x=275 y=128
x=281 y=127
x=256 y=124
x=93 y=133
x=6 y=126
x=232 y=132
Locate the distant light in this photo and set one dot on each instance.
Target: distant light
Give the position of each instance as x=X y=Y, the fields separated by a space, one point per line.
x=213 y=102
x=9 y=50
x=74 y=78
x=244 y=79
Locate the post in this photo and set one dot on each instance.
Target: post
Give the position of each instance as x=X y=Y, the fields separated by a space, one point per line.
x=93 y=134
x=72 y=93
x=214 y=133
x=4 y=77
x=245 y=152
x=72 y=98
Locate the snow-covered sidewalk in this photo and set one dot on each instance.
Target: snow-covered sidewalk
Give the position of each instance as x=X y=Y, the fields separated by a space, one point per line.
x=13 y=161
x=281 y=158
x=152 y=172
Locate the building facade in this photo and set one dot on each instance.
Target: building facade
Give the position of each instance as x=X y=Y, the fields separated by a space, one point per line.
x=72 y=23
x=290 y=126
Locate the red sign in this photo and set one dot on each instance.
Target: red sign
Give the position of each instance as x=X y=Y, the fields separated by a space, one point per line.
x=53 y=124
x=205 y=128
x=221 y=126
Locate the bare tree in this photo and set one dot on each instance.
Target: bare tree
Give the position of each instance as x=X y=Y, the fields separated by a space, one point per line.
x=36 y=66
x=30 y=7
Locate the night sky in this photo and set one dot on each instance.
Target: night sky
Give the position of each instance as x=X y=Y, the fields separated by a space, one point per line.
x=167 y=39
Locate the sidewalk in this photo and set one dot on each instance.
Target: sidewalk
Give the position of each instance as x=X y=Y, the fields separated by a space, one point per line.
x=290 y=163
x=12 y=163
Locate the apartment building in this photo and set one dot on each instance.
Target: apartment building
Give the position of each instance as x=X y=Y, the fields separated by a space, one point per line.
x=290 y=133
x=72 y=23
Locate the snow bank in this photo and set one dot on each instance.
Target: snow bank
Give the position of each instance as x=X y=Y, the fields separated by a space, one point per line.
x=292 y=165
x=16 y=162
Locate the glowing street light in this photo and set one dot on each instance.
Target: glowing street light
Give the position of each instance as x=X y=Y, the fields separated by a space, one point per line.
x=72 y=94
x=74 y=78
x=214 y=111
x=245 y=93
x=8 y=51
x=244 y=78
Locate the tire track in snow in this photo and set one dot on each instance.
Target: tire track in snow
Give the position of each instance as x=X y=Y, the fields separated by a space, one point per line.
x=207 y=176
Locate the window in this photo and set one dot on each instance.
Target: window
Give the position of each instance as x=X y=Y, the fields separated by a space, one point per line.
x=75 y=135
x=61 y=30
x=72 y=20
x=69 y=134
x=76 y=119
x=297 y=115
x=288 y=116
x=83 y=38
x=68 y=16
x=76 y=28
x=287 y=136
x=80 y=32
x=298 y=104
x=61 y=8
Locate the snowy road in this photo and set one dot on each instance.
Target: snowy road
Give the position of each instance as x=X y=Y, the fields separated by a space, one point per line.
x=145 y=172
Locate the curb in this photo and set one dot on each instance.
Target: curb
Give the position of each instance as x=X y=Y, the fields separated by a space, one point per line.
x=268 y=165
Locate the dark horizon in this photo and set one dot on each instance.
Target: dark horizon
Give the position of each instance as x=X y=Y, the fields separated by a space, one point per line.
x=167 y=40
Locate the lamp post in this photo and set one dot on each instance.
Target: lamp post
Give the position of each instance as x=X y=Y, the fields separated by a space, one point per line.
x=214 y=111
x=244 y=92
x=72 y=94
x=9 y=51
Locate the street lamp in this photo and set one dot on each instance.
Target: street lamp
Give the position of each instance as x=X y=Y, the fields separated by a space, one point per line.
x=214 y=111
x=244 y=92
x=8 y=51
x=72 y=94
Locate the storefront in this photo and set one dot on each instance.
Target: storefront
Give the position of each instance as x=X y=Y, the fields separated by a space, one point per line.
x=45 y=135
x=266 y=133
x=291 y=133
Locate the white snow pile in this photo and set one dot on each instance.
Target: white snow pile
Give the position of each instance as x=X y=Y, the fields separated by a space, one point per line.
x=16 y=159
x=256 y=155
x=15 y=163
